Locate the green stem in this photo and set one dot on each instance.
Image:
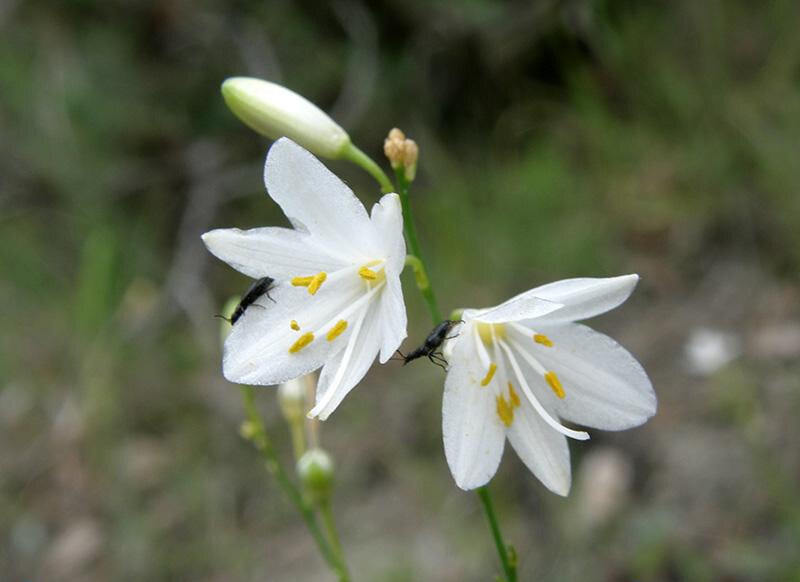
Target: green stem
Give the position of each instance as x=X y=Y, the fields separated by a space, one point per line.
x=333 y=534
x=355 y=155
x=257 y=433
x=416 y=261
x=421 y=270
x=506 y=553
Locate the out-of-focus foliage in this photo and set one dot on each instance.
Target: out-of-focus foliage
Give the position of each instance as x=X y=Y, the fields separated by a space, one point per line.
x=557 y=139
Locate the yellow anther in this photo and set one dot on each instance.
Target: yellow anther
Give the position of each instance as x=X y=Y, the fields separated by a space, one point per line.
x=294 y=325
x=489 y=374
x=366 y=273
x=555 y=384
x=302 y=281
x=336 y=330
x=485 y=332
x=505 y=411
x=513 y=396
x=301 y=342
x=316 y=282
x=540 y=338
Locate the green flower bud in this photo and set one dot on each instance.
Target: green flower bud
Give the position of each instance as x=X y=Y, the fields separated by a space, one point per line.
x=275 y=111
x=315 y=469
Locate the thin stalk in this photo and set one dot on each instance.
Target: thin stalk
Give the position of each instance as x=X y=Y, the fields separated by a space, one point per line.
x=506 y=553
x=415 y=259
x=257 y=433
x=333 y=535
x=413 y=244
x=359 y=158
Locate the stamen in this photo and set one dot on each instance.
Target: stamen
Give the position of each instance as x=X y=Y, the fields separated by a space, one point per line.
x=576 y=434
x=333 y=387
x=365 y=273
x=540 y=338
x=301 y=342
x=313 y=282
x=316 y=282
x=336 y=330
x=513 y=396
x=505 y=411
x=294 y=325
x=555 y=384
x=489 y=374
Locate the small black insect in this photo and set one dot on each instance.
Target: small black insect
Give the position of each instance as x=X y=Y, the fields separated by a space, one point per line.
x=433 y=342
x=256 y=290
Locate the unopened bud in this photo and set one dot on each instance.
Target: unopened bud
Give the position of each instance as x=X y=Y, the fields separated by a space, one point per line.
x=401 y=153
x=292 y=399
x=275 y=111
x=316 y=473
x=247 y=430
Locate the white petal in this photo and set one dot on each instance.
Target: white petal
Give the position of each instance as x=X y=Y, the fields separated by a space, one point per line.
x=280 y=253
x=393 y=317
x=473 y=434
x=605 y=386
x=346 y=369
x=387 y=223
x=257 y=349
x=543 y=450
x=310 y=193
x=586 y=297
x=524 y=306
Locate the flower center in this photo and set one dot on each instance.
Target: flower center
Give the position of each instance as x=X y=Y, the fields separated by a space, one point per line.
x=332 y=327
x=485 y=332
x=370 y=275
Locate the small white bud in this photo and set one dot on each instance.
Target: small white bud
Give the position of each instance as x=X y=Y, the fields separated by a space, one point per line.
x=315 y=470
x=275 y=111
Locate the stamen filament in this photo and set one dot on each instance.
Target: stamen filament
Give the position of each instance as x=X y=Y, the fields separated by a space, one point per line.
x=330 y=392
x=578 y=435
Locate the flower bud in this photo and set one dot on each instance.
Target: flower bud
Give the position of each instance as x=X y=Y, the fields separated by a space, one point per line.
x=401 y=153
x=275 y=111
x=315 y=470
x=292 y=399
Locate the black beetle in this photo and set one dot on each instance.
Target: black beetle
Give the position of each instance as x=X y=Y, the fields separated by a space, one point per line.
x=257 y=289
x=433 y=342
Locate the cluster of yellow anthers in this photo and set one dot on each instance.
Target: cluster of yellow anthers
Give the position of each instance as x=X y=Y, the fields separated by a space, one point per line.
x=313 y=283
x=491 y=333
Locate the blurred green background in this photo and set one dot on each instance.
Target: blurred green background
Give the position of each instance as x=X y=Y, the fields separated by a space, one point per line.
x=558 y=139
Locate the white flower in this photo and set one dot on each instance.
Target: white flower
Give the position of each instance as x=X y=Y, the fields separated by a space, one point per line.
x=338 y=299
x=517 y=368
x=275 y=111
